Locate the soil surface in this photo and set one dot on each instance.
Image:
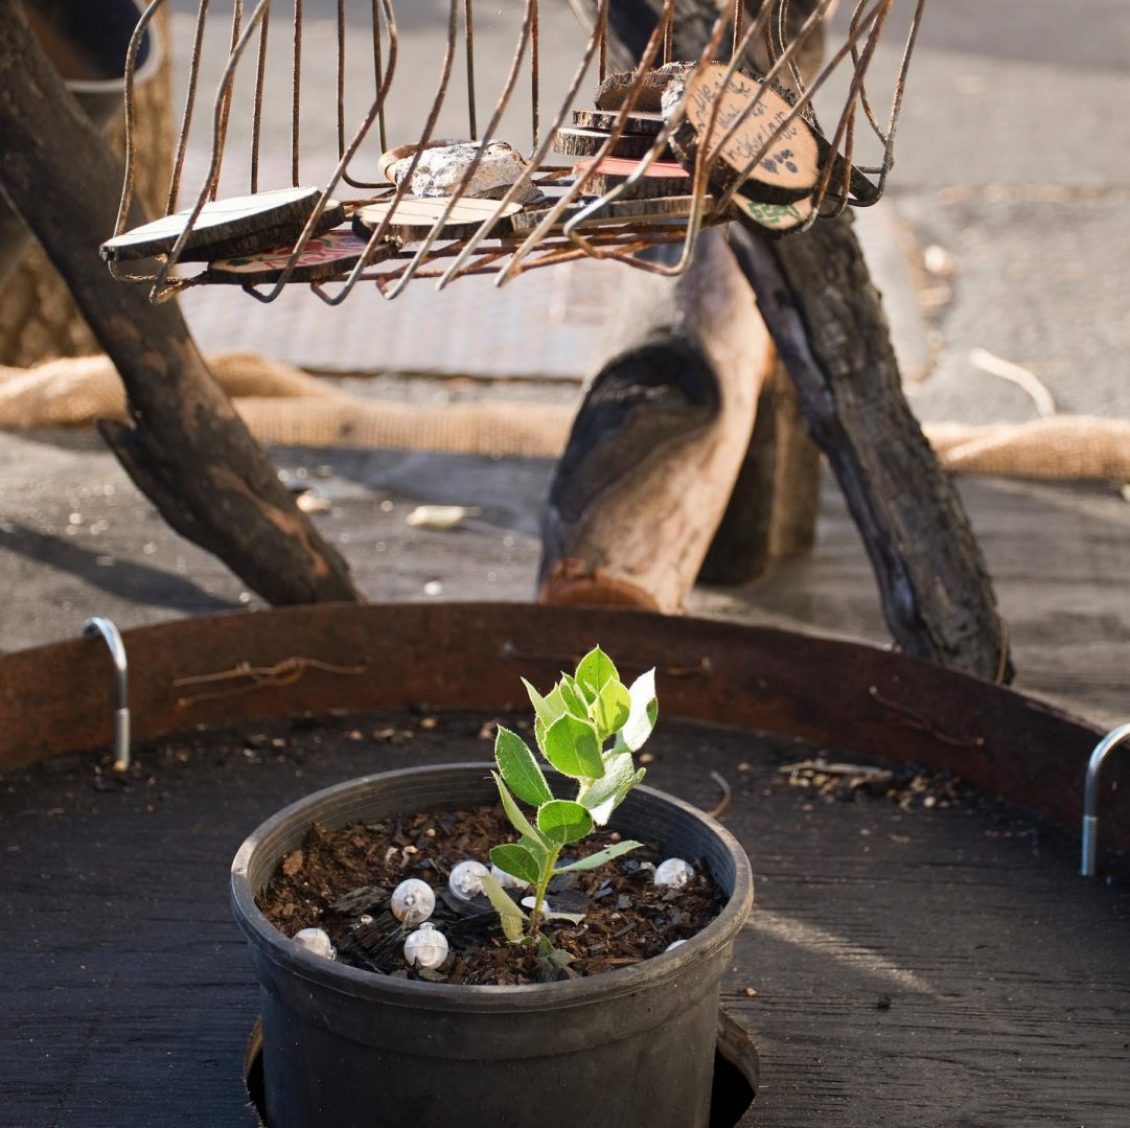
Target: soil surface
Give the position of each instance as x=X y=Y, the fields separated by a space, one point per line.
x=341 y=881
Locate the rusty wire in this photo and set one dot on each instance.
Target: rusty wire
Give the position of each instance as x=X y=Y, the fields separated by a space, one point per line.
x=566 y=231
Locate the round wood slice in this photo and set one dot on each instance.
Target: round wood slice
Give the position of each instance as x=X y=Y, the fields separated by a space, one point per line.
x=791 y=167
x=612 y=93
x=658 y=211
x=413 y=218
x=331 y=255
x=588 y=142
x=776 y=219
x=606 y=120
x=660 y=178
x=240 y=225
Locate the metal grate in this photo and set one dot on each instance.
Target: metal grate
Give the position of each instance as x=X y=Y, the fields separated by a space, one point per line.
x=713 y=150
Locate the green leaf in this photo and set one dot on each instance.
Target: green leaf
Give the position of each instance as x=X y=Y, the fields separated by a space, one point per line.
x=563 y=821
x=605 y=795
x=612 y=708
x=514 y=813
x=599 y=858
x=573 y=698
x=510 y=916
x=517 y=861
x=644 y=712
x=519 y=768
x=595 y=670
x=572 y=747
x=546 y=709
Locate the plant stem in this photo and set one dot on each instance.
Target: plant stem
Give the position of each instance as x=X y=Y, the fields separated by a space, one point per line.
x=539 y=893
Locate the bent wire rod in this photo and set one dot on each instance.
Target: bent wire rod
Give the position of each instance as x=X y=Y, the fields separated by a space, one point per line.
x=1091 y=797
x=113 y=638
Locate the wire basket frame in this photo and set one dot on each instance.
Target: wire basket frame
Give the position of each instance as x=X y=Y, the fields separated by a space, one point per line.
x=577 y=213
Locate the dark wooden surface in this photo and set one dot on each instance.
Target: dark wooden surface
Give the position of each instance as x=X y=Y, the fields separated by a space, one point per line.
x=924 y=967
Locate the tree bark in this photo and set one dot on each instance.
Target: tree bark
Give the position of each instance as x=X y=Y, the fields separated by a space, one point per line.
x=826 y=317
x=187 y=449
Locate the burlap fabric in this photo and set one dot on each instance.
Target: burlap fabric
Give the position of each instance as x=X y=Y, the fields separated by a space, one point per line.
x=281 y=404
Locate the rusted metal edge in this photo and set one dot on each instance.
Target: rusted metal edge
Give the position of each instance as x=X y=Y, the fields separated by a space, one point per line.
x=316 y=659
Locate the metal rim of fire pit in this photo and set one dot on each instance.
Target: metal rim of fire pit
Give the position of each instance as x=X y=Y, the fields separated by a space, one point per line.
x=228 y=670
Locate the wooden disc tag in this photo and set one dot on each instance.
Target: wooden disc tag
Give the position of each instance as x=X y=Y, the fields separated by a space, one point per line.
x=660 y=178
x=412 y=219
x=241 y=225
x=776 y=219
x=647 y=124
x=790 y=167
x=329 y=256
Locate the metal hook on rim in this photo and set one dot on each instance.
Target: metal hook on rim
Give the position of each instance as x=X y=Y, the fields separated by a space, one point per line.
x=113 y=638
x=1091 y=797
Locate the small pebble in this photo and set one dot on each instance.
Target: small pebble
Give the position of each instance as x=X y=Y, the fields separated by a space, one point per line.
x=316 y=941
x=466 y=881
x=426 y=948
x=531 y=903
x=413 y=901
x=507 y=880
x=673 y=873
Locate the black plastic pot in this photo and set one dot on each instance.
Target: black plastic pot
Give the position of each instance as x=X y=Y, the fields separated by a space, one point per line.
x=345 y=1048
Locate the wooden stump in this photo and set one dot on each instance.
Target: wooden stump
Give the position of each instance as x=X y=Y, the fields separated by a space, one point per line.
x=187 y=449
x=659 y=440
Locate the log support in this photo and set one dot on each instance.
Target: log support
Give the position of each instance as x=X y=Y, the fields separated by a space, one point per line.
x=186 y=448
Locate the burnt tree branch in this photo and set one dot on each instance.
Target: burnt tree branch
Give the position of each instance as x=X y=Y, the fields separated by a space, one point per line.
x=187 y=449
x=826 y=317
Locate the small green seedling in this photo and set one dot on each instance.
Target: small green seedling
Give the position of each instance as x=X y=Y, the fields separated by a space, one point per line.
x=587 y=727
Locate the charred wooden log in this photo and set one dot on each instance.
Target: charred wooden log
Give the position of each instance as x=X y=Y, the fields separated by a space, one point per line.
x=826 y=317
x=187 y=450
x=658 y=442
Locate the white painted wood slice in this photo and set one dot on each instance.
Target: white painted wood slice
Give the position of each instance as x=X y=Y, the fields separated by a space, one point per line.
x=776 y=219
x=331 y=255
x=413 y=219
x=226 y=228
x=791 y=165
x=442 y=168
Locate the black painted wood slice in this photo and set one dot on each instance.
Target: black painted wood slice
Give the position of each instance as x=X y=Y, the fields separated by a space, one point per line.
x=241 y=225
x=588 y=142
x=413 y=219
x=790 y=167
x=648 y=124
x=660 y=178
x=332 y=255
x=658 y=210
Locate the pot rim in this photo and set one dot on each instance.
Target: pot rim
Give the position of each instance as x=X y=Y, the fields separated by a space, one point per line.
x=285 y=953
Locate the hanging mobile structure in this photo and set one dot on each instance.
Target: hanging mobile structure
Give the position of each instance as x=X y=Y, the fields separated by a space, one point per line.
x=648 y=156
